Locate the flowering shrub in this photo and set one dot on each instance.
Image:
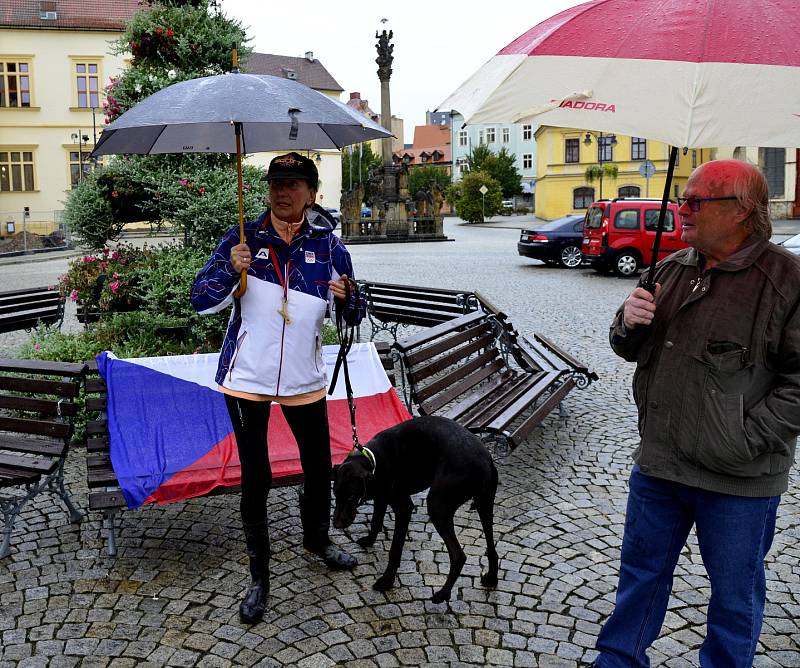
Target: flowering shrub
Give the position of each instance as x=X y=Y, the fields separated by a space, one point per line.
x=106 y=280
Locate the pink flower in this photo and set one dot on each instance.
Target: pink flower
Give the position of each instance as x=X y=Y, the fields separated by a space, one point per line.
x=116 y=275
x=114 y=287
x=202 y=190
x=37 y=347
x=183 y=182
x=73 y=295
x=115 y=255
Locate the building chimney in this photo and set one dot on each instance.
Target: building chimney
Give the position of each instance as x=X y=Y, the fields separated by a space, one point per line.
x=310 y=56
x=355 y=95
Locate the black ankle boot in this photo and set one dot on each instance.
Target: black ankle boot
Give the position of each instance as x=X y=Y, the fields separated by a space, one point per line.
x=251 y=609
x=316 y=522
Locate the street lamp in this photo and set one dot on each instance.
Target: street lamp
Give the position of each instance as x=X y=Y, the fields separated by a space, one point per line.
x=603 y=141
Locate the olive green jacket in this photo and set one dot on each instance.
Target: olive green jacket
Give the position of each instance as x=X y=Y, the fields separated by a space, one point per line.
x=717 y=381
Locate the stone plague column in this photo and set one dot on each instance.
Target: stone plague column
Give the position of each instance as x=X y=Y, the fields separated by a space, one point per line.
x=396 y=217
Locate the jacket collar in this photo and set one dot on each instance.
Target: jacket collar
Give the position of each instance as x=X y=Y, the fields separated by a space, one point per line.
x=745 y=256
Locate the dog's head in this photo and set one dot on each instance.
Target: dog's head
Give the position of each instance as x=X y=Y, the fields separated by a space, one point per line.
x=351 y=484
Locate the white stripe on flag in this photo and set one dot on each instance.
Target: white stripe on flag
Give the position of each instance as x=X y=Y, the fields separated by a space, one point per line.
x=367 y=375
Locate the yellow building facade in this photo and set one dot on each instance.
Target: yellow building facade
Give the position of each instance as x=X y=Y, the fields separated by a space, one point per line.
x=564 y=154
x=51 y=87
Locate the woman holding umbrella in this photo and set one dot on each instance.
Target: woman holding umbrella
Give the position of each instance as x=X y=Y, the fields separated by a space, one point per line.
x=272 y=352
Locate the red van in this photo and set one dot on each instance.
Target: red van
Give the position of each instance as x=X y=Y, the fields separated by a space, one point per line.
x=618 y=234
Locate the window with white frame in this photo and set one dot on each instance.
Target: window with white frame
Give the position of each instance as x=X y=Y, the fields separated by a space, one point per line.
x=527 y=161
x=462 y=166
x=638 y=148
x=506 y=135
x=15 y=83
x=480 y=137
x=462 y=137
x=490 y=135
x=16 y=171
x=527 y=132
x=87 y=84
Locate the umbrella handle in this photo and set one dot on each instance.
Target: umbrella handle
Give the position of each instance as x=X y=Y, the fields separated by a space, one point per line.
x=240 y=189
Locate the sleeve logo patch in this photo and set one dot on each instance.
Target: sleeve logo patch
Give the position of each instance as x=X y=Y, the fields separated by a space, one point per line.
x=310 y=257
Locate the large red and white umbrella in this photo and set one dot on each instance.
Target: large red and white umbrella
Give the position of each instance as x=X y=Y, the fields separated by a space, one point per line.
x=690 y=73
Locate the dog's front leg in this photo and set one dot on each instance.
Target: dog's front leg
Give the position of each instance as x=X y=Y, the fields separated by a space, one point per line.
x=402 y=517
x=378 y=514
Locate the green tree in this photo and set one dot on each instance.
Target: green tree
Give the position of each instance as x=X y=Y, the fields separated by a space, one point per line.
x=501 y=166
x=423 y=178
x=168 y=42
x=362 y=158
x=472 y=205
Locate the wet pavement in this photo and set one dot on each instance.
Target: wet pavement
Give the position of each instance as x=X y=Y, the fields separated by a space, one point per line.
x=170 y=597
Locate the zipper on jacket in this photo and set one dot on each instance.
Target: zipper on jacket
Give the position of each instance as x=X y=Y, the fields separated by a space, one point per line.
x=239 y=345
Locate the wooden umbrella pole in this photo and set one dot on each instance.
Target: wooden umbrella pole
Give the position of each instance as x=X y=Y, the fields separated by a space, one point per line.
x=240 y=189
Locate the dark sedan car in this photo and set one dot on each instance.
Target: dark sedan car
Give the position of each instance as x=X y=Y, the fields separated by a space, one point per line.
x=792 y=244
x=556 y=242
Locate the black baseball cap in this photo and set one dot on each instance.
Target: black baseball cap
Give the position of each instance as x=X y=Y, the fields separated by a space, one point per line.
x=294 y=166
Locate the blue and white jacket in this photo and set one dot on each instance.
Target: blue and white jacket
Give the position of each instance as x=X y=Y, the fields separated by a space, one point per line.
x=263 y=354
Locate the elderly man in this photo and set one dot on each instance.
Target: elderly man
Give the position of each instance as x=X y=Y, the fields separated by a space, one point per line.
x=717 y=388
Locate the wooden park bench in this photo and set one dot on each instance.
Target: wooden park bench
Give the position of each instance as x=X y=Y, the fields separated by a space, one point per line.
x=25 y=309
x=478 y=371
x=391 y=306
x=37 y=407
x=105 y=495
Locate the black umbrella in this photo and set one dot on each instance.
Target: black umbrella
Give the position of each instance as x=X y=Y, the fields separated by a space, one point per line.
x=236 y=113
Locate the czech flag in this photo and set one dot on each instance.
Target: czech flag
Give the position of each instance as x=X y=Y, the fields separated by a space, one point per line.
x=171 y=437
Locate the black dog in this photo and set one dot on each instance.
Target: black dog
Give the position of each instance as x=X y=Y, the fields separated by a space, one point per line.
x=406 y=459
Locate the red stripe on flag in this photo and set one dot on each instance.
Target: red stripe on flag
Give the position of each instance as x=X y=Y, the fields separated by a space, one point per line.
x=221 y=467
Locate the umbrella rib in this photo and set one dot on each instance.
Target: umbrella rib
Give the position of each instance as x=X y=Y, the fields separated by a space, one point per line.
x=333 y=141
x=157 y=137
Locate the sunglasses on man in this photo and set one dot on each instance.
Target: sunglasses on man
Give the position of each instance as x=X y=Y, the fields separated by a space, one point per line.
x=695 y=202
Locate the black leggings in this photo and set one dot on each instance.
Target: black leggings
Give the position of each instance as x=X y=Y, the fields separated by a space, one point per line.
x=309 y=425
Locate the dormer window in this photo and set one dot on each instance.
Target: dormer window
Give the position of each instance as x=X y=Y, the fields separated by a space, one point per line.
x=47 y=10
x=289 y=74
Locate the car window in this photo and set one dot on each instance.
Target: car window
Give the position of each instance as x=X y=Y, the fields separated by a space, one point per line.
x=627 y=219
x=793 y=242
x=651 y=220
x=594 y=218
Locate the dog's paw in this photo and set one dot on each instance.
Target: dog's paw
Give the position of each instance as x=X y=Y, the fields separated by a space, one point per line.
x=384 y=583
x=441 y=596
x=366 y=541
x=489 y=580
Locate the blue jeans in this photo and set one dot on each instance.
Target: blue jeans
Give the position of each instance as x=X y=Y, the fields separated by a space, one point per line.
x=734 y=534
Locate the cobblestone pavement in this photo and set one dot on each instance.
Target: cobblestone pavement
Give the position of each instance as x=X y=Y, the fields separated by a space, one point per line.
x=171 y=595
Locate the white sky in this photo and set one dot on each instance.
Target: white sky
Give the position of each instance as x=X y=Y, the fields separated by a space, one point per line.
x=438 y=44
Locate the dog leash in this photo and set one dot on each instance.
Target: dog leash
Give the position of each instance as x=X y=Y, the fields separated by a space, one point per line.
x=347 y=335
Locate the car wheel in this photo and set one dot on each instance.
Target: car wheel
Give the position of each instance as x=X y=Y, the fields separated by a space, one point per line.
x=570 y=257
x=626 y=264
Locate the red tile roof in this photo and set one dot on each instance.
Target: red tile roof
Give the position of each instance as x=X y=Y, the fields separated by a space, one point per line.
x=70 y=14
x=307 y=71
x=427 y=140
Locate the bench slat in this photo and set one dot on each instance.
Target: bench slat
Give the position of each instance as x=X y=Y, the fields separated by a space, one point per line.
x=541 y=412
x=514 y=409
x=97 y=444
x=72 y=369
x=439 y=330
x=57 y=388
x=106 y=500
x=427 y=351
x=466 y=404
x=96 y=403
x=452 y=377
x=36 y=427
x=34 y=446
x=481 y=415
x=423 y=371
x=33 y=463
x=11 y=477
x=97 y=427
x=45 y=406
x=553 y=360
